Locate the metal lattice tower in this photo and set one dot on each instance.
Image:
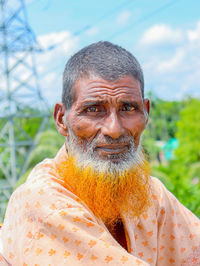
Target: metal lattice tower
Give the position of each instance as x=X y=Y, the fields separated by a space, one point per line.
x=20 y=97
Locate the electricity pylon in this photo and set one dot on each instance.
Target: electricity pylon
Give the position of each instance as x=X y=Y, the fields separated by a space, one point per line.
x=20 y=96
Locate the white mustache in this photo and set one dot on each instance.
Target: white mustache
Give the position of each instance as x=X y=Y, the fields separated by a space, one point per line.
x=106 y=140
x=87 y=156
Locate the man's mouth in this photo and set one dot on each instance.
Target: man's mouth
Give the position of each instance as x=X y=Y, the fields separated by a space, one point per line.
x=112 y=149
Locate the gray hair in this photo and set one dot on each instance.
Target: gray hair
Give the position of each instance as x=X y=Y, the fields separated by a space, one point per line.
x=102 y=59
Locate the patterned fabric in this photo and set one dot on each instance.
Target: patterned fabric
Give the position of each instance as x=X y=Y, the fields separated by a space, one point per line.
x=46 y=224
x=3 y=262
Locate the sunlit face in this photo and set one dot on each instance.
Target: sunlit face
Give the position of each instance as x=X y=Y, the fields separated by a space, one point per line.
x=105 y=163
x=108 y=116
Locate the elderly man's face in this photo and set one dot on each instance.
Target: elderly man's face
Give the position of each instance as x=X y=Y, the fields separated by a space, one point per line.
x=103 y=129
x=108 y=115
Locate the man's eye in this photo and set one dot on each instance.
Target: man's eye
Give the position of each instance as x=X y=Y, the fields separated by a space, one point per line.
x=128 y=108
x=92 y=109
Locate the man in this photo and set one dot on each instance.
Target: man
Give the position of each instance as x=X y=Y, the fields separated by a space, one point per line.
x=95 y=203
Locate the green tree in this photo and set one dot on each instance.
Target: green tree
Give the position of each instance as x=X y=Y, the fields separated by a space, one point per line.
x=48 y=144
x=162 y=124
x=188 y=133
x=182 y=175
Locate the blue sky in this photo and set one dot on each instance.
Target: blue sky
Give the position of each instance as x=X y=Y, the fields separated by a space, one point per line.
x=163 y=35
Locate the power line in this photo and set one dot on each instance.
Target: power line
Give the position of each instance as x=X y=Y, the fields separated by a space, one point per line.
x=89 y=26
x=106 y=15
x=146 y=17
x=85 y=28
x=141 y=20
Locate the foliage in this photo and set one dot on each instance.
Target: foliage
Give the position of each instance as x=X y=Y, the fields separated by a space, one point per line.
x=182 y=175
x=162 y=124
x=163 y=117
x=48 y=143
x=189 y=133
x=180 y=183
x=27 y=126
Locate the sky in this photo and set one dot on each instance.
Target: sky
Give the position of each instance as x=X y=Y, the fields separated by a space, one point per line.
x=163 y=35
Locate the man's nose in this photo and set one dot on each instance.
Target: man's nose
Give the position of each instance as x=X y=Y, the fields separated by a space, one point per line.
x=112 y=126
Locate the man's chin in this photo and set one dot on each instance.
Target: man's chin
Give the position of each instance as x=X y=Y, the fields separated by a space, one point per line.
x=116 y=159
x=112 y=158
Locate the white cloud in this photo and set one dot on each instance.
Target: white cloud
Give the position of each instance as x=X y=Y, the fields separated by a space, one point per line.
x=162 y=34
x=172 y=63
x=55 y=38
x=51 y=85
x=50 y=64
x=92 y=31
x=194 y=35
x=123 y=17
x=171 y=60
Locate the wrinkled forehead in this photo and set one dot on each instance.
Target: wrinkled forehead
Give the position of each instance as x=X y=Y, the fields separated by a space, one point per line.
x=95 y=86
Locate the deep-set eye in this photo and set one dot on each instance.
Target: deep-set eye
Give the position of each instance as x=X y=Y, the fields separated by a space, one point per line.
x=128 y=108
x=92 y=109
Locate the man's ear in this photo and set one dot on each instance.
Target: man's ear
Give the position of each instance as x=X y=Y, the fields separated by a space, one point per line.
x=146 y=109
x=59 y=112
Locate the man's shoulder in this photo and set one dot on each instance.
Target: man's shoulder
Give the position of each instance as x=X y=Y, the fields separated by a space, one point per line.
x=159 y=189
x=44 y=168
x=47 y=169
x=43 y=193
x=166 y=203
x=43 y=173
x=161 y=195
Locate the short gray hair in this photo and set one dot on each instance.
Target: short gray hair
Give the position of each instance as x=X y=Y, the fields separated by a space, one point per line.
x=102 y=59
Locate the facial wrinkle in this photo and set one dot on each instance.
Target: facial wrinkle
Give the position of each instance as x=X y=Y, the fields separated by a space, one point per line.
x=111 y=91
x=107 y=95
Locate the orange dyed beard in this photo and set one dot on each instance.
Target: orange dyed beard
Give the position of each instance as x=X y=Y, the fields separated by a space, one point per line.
x=108 y=195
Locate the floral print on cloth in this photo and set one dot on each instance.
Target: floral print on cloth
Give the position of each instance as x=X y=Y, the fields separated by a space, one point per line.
x=46 y=224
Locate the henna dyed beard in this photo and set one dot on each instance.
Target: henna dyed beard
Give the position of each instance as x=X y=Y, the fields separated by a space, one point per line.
x=108 y=189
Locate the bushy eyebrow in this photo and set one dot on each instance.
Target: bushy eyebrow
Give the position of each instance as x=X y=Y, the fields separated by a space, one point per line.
x=99 y=102
x=135 y=104
x=91 y=103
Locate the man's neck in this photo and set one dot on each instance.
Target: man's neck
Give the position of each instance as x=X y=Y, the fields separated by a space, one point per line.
x=118 y=232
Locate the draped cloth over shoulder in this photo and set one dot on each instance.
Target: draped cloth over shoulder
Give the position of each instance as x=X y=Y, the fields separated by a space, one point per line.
x=3 y=262
x=46 y=224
